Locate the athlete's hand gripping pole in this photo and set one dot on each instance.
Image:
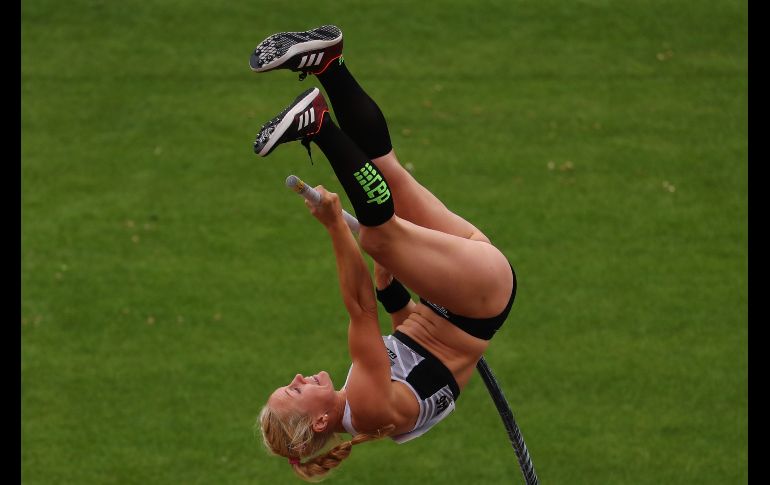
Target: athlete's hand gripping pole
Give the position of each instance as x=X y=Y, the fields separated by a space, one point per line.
x=312 y=196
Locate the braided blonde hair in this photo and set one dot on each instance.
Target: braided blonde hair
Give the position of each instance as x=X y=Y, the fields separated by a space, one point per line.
x=292 y=436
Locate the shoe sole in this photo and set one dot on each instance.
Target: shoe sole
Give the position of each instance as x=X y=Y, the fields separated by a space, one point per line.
x=294 y=50
x=304 y=100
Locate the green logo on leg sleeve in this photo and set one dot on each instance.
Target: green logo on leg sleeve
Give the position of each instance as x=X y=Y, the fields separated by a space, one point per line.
x=373 y=184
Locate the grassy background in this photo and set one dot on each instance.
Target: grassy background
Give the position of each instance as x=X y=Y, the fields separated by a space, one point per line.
x=170 y=281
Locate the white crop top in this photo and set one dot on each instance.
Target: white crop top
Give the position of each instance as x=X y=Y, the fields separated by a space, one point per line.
x=435 y=397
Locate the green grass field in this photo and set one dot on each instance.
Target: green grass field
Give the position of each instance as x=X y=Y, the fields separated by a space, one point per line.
x=170 y=281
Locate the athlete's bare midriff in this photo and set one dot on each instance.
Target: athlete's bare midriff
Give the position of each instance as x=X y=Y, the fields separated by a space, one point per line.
x=457 y=350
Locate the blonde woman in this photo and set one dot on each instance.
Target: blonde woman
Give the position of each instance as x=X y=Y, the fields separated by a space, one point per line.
x=399 y=385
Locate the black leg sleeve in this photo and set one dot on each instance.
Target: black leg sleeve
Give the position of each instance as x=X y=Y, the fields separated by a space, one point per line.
x=357 y=114
x=362 y=181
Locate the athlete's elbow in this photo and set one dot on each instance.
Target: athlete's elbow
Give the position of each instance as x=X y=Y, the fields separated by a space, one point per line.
x=360 y=310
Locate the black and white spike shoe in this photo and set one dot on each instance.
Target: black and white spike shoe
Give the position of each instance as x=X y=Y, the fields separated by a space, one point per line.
x=299 y=121
x=309 y=52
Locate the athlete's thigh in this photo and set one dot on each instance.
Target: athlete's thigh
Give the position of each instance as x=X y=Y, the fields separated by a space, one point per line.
x=415 y=203
x=471 y=278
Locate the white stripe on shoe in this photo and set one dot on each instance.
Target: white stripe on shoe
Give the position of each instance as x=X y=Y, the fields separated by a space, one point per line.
x=296 y=49
x=288 y=118
x=306 y=118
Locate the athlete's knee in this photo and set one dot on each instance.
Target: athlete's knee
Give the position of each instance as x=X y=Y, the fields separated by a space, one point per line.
x=373 y=240
x=382 y=239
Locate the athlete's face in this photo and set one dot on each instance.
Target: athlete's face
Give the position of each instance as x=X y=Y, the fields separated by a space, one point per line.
x=313 y=395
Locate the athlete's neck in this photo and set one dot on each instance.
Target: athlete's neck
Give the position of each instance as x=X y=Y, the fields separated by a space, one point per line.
x=335 y=417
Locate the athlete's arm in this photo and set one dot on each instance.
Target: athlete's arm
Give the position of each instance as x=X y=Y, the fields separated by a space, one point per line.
x=364 y=338
x=383 y=278
x=397 y=318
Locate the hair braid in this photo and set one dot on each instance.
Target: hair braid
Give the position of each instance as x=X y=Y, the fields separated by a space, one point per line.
x=292 y=437
x=316 y=468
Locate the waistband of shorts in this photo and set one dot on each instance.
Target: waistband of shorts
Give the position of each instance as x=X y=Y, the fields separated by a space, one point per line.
x=436 y=365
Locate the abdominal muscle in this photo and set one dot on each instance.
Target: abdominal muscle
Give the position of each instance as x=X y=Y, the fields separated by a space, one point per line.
x=457 y=350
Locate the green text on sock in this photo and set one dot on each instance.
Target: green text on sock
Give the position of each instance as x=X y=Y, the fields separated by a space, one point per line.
x=369 y=177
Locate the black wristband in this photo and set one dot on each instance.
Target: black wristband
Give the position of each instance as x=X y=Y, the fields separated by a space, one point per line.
x=393 y=297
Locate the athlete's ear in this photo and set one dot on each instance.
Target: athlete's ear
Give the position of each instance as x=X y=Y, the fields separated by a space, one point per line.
x=320 y=423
